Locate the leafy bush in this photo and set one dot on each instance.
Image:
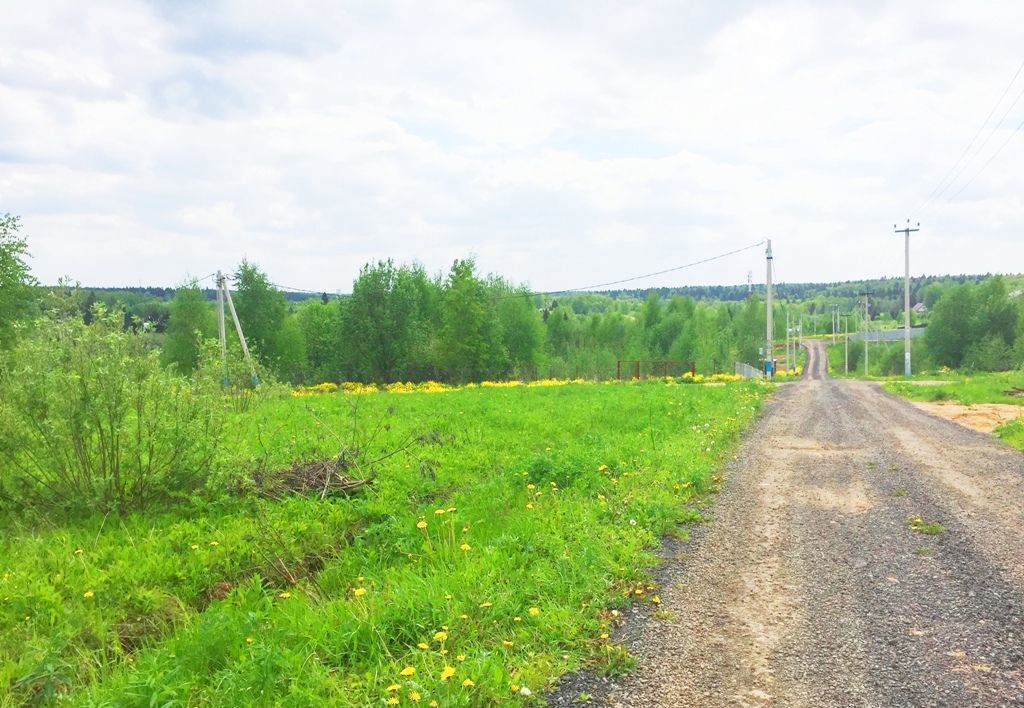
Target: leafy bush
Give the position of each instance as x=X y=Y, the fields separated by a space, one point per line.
x=90 y=420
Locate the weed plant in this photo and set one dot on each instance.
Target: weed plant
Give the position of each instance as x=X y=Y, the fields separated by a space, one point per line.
x=478 y=567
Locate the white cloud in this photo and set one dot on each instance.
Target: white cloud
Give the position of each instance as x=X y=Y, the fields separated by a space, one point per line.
x=562 y=144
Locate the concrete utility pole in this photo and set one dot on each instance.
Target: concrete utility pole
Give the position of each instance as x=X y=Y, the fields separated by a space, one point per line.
x=225 y=379
x=835 y=321
x=867 y=326
x=846 y=347
x=906 y=292
x=787 y=340
x=769 y=354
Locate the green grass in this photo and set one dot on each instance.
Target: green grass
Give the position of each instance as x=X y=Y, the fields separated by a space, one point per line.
x=967 y=389
x=541 y=506
x=970 y=390
x=929 y=528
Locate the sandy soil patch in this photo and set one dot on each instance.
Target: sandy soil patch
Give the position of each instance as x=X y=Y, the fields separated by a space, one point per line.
x=984 y=417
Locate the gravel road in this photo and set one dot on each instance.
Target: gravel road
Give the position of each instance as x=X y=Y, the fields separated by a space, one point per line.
x=810 y=588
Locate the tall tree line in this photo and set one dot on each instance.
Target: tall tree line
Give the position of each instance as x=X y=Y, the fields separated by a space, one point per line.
x=400 y=323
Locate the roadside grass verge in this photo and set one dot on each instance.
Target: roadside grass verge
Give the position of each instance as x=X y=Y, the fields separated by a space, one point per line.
x=1005 y=387
x=477 y=564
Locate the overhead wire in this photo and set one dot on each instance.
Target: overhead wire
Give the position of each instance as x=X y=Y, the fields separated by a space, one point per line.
x=582 y=288
x=649 y=275
x=942 y=182
x=991 y=157
x=947 y=182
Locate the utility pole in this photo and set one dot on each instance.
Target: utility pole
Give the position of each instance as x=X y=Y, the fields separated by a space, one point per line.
x=770 y=363
x=867 y=326
x=750 y=281
x=787 y=340
x=835 y=321
x=906 y=292
x=846 y=346
x=225 y=379
x=224 y=295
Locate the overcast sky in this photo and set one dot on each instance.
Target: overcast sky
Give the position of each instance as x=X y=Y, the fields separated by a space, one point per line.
x=561 y=143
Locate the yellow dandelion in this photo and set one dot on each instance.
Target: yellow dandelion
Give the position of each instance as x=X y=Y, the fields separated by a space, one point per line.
x=460 y=657
x=450 y=510
x=214 y=543
x=394 y=687
x=393 y=701
x=602 y=468
x=465 y=617
x=514 y=687
x=507 y=643
x=284 y=595
x=447 y=596
x=440 y=636
x=486 y=604
x=447 y=672
x=433 y=704
x=534 y=611
x=360 y=579
x=421 y=524
x=414 y=696
x=359 y=592
x=423 y=645
x=87 y=594
x=656 y=600
x=407 y=671
x=194 y=546
x=443 y=652
x=529 y=506
x=79 y=552
x=604 y=635
x=465 y=546
x=468 y=683
x=248 y=640
x=531 y=486
x=439 y=512
x=517 y=618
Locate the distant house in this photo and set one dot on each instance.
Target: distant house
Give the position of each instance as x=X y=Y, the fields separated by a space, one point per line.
x=920 y=308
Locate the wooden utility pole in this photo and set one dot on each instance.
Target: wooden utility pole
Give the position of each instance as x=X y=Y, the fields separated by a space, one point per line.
x=906 y=292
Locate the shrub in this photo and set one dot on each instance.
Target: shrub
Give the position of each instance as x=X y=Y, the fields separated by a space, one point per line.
x=91 y=421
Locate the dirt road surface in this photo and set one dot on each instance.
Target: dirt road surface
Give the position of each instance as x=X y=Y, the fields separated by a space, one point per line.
x=811 y=588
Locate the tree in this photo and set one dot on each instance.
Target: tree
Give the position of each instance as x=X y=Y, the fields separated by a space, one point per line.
x=261 y=310
x=290 y=349
x=470 y=335
x=16 y=283
x=949 y=327
x=191 y=321
x=384 y=320
x=320 y=323
x=521 y=325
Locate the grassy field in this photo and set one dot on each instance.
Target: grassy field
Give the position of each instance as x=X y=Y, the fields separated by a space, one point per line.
x=502 y=531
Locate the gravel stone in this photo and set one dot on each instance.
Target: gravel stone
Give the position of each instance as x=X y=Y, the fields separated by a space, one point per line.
x=810 y=588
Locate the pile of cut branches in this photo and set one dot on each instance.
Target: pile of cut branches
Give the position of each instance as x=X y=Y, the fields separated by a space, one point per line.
x=323 y=478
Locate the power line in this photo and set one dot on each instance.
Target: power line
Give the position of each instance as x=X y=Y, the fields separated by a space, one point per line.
x=303 y=290
x=989 y=160
x=651 y=275
x=942 y=186
x=581 y=288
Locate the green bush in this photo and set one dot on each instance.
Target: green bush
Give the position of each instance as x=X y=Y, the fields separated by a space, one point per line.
x=91 y=421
